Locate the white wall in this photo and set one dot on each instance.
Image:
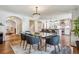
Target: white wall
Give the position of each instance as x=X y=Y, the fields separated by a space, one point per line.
x=62 y=16
x=75 y=13
x=25 y=24
x=5 y=14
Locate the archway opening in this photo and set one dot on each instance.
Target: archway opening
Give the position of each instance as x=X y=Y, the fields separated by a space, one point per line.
x=10 y=27
x=13 y=29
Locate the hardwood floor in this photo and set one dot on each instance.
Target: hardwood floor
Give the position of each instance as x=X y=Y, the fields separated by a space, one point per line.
x=5 y=48
x=15 y=39
x=75 y=50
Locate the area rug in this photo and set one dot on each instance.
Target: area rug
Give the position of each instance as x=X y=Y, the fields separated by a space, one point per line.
x=20 y=50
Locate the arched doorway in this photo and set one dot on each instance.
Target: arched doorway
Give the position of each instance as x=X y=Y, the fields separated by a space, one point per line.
x=10 y=27
x=14 y=22
x=13 y=28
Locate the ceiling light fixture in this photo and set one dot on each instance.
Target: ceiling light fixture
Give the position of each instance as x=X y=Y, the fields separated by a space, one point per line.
x=36 y=15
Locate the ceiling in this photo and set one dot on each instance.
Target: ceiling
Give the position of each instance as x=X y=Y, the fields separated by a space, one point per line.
x=42 y=9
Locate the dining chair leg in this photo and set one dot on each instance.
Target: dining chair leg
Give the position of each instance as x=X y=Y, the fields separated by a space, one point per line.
x=30 y=49
x=38 y=46
x=45 y=47
x=23 y=43
x=59 y=48
x=55 y=48
x=20 y=42
x=26 y=46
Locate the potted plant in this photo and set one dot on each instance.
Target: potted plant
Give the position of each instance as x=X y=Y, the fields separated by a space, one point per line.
x=76 y=30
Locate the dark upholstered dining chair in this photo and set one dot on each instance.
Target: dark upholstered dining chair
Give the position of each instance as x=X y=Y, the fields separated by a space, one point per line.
x=31 y=40
x=53 y=40
x=23 y=38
